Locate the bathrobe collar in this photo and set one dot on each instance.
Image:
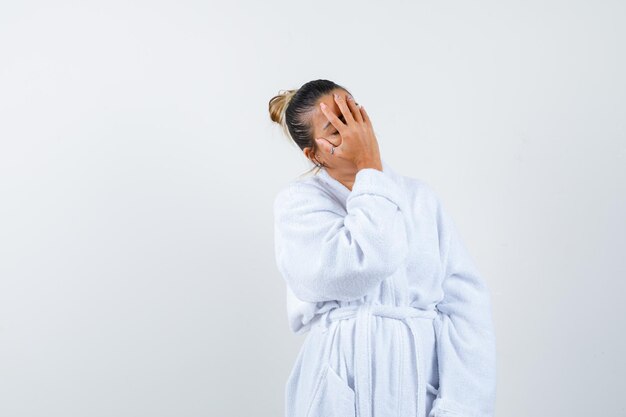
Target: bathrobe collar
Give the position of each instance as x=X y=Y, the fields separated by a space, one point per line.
x=342 y=189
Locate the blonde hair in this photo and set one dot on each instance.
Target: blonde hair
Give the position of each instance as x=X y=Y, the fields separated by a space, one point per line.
x=278 y=108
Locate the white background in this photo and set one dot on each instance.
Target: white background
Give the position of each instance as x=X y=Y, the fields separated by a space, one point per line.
x=138 y=166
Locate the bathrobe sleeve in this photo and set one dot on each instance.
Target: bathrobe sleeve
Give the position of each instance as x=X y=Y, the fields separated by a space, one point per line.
x=327 y=252
x=466 y=347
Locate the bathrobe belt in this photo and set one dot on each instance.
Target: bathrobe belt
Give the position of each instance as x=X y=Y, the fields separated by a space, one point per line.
x=362 y=349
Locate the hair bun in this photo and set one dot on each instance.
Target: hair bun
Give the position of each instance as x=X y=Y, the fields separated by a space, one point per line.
x=278 y=106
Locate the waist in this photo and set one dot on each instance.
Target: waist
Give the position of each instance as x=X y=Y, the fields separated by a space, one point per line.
x=381 y=310
x=364 y=348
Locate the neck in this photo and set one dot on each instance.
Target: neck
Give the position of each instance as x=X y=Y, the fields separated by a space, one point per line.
x=345 y=177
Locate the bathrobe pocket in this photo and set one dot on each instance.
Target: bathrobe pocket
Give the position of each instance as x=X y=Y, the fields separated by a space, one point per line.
x=332 y=396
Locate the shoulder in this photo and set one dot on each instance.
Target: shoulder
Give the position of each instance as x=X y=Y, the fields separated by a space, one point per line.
x=301 y=191
x=428 y=204
x=422 y=191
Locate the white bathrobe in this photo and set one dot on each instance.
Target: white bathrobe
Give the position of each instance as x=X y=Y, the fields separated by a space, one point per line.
x=398 y=317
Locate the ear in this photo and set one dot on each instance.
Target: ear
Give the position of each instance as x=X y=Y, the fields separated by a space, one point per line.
x=309 y=154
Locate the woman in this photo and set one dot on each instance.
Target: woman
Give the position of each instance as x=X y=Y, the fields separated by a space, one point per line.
x=399 y=317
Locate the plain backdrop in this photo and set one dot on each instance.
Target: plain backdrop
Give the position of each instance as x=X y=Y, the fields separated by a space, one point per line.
x=138 y=166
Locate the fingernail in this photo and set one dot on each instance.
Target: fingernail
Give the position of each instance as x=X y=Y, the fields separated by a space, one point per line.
x=322 y=105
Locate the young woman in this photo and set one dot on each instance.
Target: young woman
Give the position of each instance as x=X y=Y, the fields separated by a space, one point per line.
x=399 y=317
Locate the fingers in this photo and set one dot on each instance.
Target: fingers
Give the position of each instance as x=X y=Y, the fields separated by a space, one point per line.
x=351 y=113
x=354 y=108
x=341 y=102
x=325 y=145
x=334 y=120
x=365 y=116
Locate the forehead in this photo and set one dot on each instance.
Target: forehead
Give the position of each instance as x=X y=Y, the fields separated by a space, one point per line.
x=318 y=119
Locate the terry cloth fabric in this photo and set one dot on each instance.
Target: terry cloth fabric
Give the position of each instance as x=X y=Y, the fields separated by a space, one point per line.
x=398 y=316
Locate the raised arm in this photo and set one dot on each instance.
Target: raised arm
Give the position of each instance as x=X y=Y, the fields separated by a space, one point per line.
x=327 y=253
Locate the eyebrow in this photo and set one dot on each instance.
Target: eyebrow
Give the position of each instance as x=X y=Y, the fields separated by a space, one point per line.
x=343 y=119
